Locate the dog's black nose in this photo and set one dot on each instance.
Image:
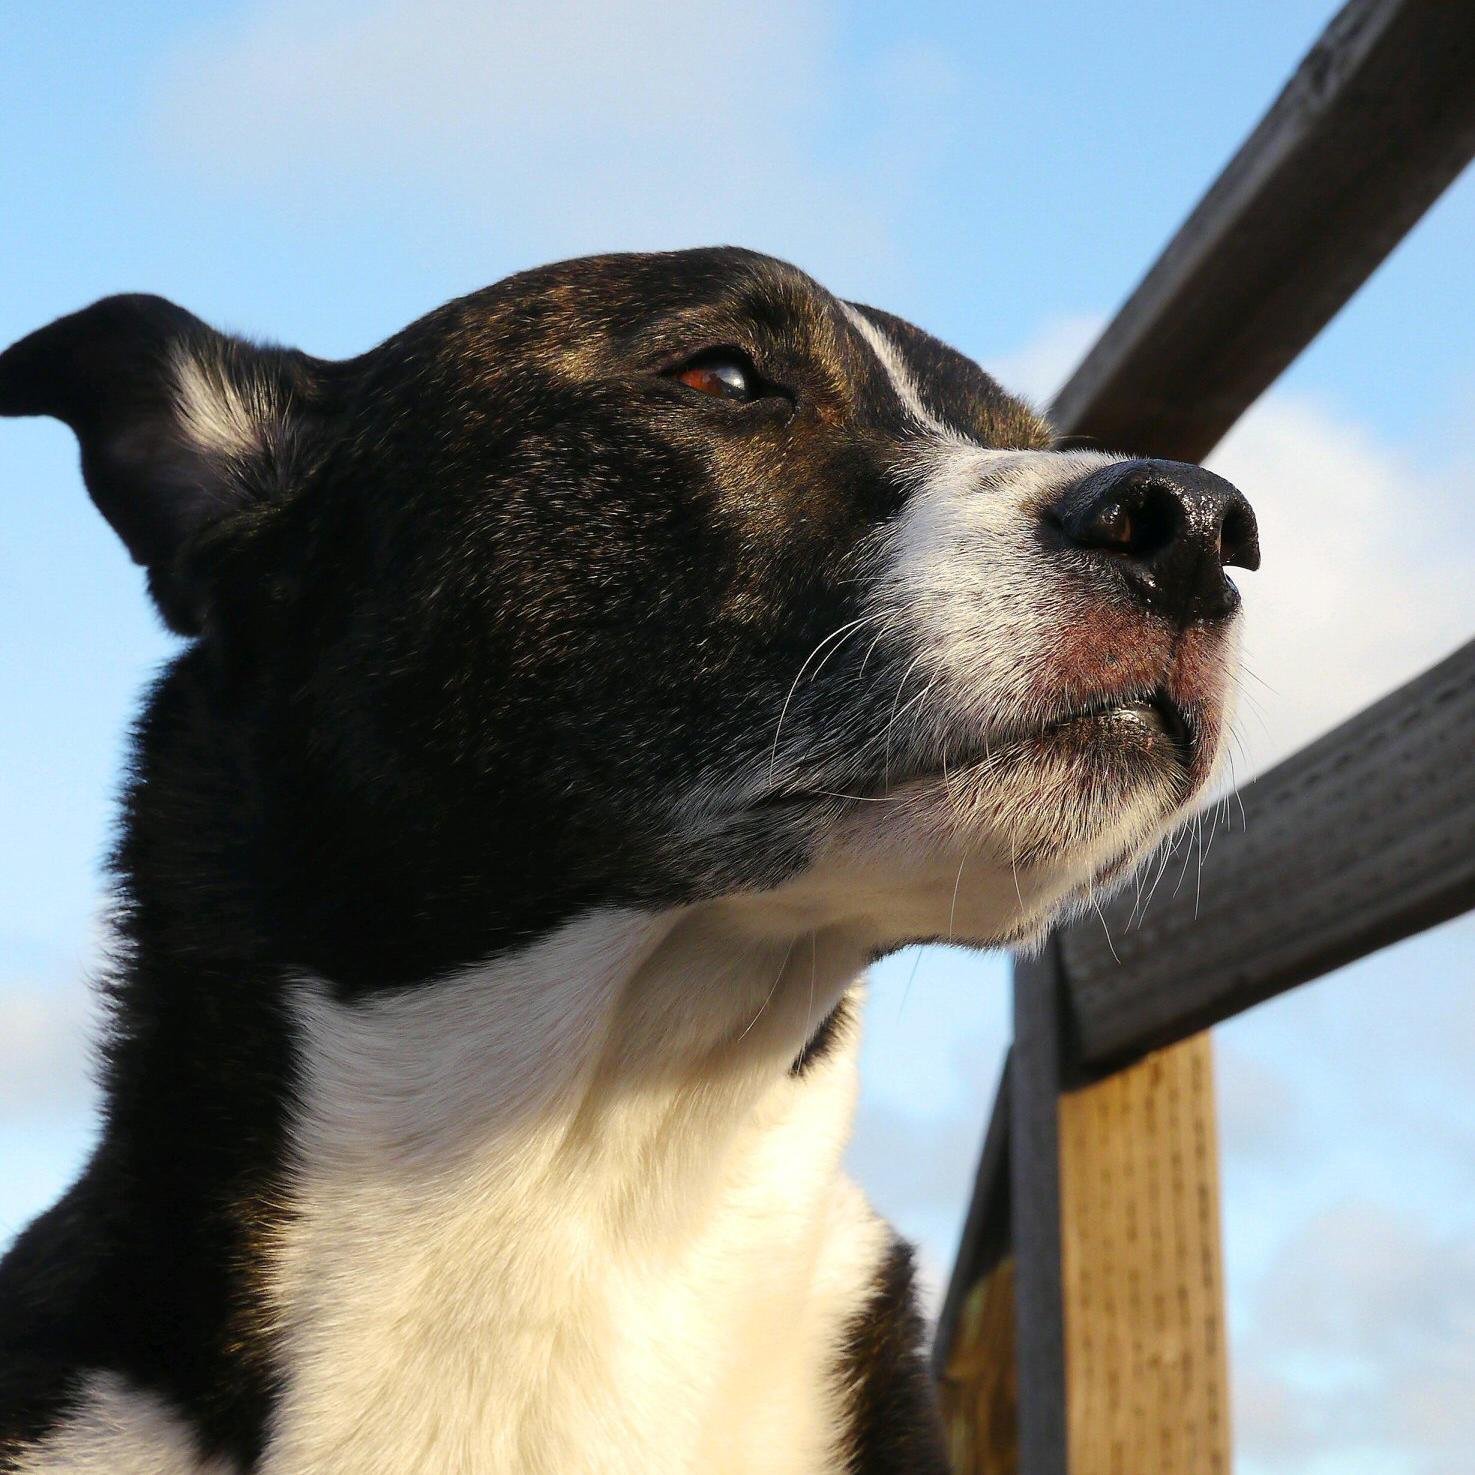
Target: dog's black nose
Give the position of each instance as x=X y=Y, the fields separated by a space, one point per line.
x=1170 y=529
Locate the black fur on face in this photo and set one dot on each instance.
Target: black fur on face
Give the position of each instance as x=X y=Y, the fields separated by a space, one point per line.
x=502 y=612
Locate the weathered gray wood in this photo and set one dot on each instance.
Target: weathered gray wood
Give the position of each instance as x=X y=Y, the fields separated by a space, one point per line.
x=1363 y=838
x=1376 y=122
x=1034 y=1191
x=985 y=1238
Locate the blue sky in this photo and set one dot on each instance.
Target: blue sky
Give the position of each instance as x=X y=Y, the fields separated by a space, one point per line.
x=321 y=172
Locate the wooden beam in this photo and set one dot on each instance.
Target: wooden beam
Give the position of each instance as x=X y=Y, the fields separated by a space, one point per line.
x=1116 y=1359
x=1375 y=123
x=980 y=1386
x=1034 y=1186
x=1146 y=1364
x=1357 y=841
x=985 y=1238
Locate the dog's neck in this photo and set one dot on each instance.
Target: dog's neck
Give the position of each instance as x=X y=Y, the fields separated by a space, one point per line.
x=616 y=1012
x=592 y=1182
x=543 y=1191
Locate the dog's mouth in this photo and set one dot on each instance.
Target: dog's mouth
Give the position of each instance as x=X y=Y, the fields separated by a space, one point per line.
x=1152 y=725
x=1156 y=718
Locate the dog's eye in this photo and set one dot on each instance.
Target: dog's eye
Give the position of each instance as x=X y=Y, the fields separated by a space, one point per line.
x=725 y=373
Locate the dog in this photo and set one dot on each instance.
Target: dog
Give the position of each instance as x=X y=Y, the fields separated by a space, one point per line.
x=578 y=691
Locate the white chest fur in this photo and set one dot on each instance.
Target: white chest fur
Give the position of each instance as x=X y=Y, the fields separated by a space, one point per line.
x=117 y=1429
x=570 y=1213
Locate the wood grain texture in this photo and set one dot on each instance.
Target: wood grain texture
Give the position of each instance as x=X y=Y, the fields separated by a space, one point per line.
x=1378 y=119
x=1357 y=841
x=1142 y=1271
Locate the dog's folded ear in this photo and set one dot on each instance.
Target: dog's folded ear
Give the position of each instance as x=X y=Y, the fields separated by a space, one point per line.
x=182 y=428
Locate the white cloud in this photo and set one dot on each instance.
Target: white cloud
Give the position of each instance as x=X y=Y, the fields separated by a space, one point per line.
x=1348 y=1138
x=1257 y=1107
x=1363 y=1340
x=46 y=1035
x=1037 y=368
x=556 y=128
x=1365 y=579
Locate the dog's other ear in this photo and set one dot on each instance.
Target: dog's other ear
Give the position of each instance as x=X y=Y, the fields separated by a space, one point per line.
x=181 y=427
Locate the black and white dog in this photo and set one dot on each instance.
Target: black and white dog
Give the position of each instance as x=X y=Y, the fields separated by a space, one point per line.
x=581 y=688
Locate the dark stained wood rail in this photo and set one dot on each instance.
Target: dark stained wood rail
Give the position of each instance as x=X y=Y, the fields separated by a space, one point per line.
x=985 y=1238
x=1375 y=123
x=1365 y=837
x=1035 y=1220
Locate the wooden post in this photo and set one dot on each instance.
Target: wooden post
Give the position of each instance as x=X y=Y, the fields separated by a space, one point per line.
x=1034 y=1189
x=1118 y=1283
x=974 y=1352
x=980 y=1386
x=1142 y=1278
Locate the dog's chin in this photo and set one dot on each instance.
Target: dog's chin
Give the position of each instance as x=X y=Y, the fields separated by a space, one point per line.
x=989 y=852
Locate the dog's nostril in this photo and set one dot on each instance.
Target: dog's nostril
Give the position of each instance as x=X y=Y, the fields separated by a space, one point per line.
x=1138 y=521
x=1144 y=524
x=1159 y=521
x=1239 y=540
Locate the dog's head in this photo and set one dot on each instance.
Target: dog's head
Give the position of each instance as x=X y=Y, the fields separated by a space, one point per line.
x=648 y=579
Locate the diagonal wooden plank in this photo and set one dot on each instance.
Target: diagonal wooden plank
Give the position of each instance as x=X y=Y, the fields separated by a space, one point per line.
x=1359 y=840
x=1374 y=124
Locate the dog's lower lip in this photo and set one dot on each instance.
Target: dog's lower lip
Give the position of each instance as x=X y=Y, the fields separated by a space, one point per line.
x=1157 y=710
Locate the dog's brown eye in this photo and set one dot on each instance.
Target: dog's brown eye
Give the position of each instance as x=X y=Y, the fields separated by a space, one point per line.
x=722 y=373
